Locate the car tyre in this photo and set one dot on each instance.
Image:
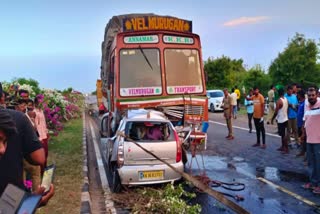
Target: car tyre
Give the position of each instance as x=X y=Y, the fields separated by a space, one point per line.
x=212 y=108
x=116 y=182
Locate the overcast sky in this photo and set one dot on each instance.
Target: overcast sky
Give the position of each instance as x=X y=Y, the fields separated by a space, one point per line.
x=58 y=43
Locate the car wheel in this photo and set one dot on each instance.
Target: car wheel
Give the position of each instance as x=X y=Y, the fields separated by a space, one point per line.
x=212 y=108
x=116 y=182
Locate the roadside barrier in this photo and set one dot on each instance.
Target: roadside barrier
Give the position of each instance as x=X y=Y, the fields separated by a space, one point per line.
x=85 y=195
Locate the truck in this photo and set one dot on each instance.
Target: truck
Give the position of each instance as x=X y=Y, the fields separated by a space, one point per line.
x=154 y=62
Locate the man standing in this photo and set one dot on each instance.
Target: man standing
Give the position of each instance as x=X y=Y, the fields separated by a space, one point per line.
x=228 y=108
x=258 y=112
x=249 y=106
x=295 y=88
x=271 y=103
x=300 y=115
x=292 y=113
x=281 y=113
x=312 y=130
x=42 y=129
x=237 y=91
x=234 y=103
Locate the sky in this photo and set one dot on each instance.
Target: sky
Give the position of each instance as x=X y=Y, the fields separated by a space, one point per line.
x=58 y=43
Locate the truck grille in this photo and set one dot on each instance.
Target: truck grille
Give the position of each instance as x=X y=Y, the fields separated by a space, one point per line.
x=194 y=110
x=177 y=111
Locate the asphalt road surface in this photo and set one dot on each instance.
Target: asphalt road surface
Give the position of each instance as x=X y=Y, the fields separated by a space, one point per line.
x=273 y=181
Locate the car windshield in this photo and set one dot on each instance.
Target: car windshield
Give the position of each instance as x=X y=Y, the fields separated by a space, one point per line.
x=149 y=131
x=183 y=72
x=216 y=94
x=139 y=68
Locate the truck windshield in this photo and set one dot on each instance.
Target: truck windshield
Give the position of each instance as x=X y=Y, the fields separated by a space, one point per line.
x=183 y=72
x=140 y=72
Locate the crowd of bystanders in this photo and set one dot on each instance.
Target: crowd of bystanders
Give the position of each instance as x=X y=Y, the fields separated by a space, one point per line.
x=23 y=142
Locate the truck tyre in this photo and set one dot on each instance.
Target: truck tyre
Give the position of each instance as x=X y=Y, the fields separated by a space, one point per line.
x=116 y=182
x=108 y=157
x=108 y=129
x=184 y=157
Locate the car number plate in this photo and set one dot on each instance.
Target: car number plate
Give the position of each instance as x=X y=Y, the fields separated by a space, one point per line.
x=150 y=175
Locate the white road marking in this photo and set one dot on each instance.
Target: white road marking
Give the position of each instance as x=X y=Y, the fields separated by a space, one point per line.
x=102 y=172
x=300 y=198
x=238 y=127
x=240 y=170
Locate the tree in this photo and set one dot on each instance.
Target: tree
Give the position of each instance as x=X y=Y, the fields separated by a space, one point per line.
x=297 y=63
x=33 y=83
x=224 y=72
x=256 y=76
x=67 y=91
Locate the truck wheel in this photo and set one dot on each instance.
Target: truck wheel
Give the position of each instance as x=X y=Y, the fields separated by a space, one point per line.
x=108 y=158
x=184 y=157
x=212 y=108
x=116 y=182
x=107 y=131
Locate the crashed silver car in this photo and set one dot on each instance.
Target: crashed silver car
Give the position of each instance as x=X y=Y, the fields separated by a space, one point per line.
x=129 y=164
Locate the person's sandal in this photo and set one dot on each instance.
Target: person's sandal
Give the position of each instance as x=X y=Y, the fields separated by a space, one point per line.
x=316 y=190
x=308 y=186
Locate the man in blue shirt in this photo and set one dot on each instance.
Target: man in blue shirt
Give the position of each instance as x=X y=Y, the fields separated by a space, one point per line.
x=292 y=113
x=300 y=114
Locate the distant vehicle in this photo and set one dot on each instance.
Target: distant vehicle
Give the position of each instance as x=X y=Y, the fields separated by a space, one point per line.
x=130 y=165
x=215 y=98
x=91 y=105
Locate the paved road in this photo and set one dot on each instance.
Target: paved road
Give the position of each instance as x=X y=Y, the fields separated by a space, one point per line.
x=237 y=160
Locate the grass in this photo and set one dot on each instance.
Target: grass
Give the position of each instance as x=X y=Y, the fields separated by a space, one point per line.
x=242 y=111
x=65 y=151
